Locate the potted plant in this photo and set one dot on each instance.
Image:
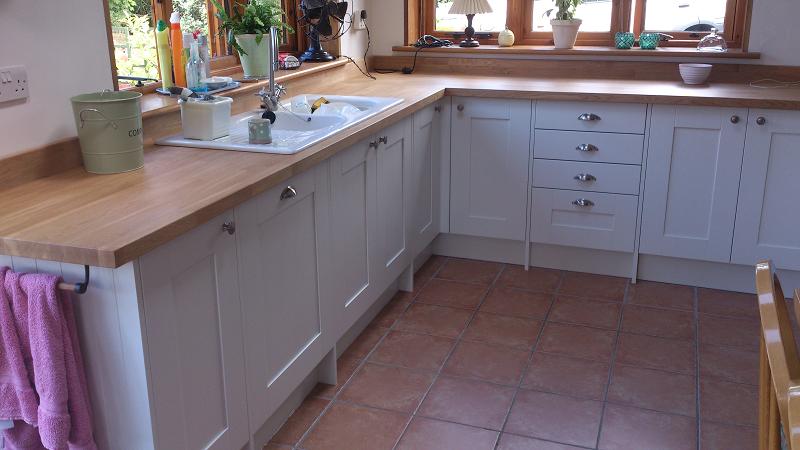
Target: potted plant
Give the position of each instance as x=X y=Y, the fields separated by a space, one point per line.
x=247 y=27
x=565 y=25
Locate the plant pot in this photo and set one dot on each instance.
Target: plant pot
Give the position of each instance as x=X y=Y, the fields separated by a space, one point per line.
x=255 y=64
x=565 y=32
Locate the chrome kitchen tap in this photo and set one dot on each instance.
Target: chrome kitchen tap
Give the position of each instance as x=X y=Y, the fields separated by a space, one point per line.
x=271 y=96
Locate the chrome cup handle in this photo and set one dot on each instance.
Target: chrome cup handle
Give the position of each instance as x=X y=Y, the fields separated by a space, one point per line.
x=582 y=202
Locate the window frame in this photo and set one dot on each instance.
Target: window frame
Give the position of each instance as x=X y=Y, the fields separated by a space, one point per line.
x=519 y=19
x=221 y=64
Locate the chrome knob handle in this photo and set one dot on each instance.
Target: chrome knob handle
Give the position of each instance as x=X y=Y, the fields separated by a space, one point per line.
x=585 y=177
x=761 y=120
x=734 y=119
x=288 y=192
x=373 y=144
x=437 y=108
x=587 y=148
x=460 y=108
x=383 y=140
x=582 y=202
x=589 y=117
x=229 y=227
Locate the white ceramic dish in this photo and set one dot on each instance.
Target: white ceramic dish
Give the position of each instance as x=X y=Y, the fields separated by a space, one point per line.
x=695 y=73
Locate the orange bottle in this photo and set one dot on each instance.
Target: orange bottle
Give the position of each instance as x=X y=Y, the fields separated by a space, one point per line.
x=176 y=37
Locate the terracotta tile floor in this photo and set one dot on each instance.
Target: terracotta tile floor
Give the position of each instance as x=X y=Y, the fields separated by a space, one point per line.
x=488 y=356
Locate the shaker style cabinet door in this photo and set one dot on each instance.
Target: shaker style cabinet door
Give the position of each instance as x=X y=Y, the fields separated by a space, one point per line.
x=768 y=216
x=692 y=181
x=193 y=325
x=353 y=284
x=426 y=176
x=393 y=187
x=282 y=243
x=490 y=150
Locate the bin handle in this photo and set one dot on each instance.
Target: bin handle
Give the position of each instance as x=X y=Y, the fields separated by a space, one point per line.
x=113 y=124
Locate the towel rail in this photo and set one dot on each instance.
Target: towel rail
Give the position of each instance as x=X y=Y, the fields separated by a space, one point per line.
x=78 y=288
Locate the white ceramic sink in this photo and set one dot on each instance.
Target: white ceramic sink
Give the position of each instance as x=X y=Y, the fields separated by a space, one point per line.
x=294 y=132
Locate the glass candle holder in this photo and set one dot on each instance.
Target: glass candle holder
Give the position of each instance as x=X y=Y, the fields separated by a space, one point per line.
x=624 y=40
x=649 y=41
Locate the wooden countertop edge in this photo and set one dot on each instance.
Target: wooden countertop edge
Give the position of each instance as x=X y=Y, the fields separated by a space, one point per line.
x=117 y=257
x=215 y=204
x=542 y=50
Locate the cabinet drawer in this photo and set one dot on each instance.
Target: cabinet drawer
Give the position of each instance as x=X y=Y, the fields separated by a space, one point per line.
x=594 y=147
x=608 y=222
x=586 y=176
x=589 y=116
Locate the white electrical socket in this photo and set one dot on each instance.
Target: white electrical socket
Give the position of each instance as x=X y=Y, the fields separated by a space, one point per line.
x=358 y=23
x=13 y=83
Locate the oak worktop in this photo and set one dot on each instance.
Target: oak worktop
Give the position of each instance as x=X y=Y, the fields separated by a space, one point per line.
x=109 y=220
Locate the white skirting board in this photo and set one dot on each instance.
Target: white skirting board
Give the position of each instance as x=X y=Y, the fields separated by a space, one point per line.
x=731 y=277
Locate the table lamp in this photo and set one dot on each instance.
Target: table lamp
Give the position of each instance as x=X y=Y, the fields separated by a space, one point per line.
x=470 y=8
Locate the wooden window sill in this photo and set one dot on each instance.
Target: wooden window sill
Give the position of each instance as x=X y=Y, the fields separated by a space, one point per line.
x=585 y=51
x=154 y=104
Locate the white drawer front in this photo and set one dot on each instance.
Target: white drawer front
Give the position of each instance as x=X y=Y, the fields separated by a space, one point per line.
x=609 y=224
x=586 y=176
x=595 y=147
x=590 y=116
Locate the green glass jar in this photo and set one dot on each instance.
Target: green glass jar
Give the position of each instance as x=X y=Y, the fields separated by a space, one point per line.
x=649 y=41
x=624 y=40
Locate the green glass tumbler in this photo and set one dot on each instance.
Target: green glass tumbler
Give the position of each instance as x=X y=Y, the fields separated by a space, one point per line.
x=624 y=40
x=649 y=41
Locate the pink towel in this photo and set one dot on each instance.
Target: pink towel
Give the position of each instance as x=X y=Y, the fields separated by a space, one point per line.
x=41 y=360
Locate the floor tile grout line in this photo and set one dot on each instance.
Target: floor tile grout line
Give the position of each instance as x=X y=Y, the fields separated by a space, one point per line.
x=529 y=362
x=698 y=412
x=364 y=360
x=456 y=342
x=625 y=301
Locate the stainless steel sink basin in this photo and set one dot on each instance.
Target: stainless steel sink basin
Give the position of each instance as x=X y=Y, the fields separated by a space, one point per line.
x=293 y=132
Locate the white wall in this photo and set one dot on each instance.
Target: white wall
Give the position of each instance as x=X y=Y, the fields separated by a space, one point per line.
x=772 y=31
x=64 y=46
x=772 y=25
x=355 y=41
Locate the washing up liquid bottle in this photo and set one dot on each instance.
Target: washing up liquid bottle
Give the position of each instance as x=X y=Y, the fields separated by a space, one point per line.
x=164 y=57
x=177 y=48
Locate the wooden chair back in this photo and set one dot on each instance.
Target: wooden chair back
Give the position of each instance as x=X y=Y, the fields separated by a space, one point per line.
x=779 y=381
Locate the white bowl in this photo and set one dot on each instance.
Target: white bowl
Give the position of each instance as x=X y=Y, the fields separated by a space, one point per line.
x=695 y=73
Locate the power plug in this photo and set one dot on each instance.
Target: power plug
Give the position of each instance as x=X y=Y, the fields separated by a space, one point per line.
x=360 y=19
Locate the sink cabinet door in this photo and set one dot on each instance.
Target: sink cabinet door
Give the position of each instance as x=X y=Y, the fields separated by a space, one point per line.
x=426 y=176
x=490 y=154
x=353 y=284
x=392 y=178
x=282 y=239
x=768 y=218
x=692 y=182
x=193 y=328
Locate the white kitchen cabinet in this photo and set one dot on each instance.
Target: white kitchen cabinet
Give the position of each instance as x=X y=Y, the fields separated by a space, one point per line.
x=353 y=284
x=426 y=154
x=393 y=189
x=490 y=154
x=692 y=181
x=768 y=218
x=283 y=244
x=193 y=324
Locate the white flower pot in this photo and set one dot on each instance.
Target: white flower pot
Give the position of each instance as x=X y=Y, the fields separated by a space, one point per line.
x=565 y=32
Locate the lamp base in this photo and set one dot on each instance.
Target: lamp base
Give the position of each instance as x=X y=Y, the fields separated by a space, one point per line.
x=469 y=43
x=468 y=33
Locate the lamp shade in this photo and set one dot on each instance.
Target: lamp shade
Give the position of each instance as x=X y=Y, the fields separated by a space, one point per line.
x=470 y=7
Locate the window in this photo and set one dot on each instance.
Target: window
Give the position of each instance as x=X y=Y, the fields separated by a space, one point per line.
x=132 y=27
x=686 y=20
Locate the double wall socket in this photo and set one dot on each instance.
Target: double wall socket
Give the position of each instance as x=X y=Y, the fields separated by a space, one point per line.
x=13 y=83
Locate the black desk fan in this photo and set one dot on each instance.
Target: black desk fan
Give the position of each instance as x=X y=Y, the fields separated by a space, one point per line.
x=318 y=14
